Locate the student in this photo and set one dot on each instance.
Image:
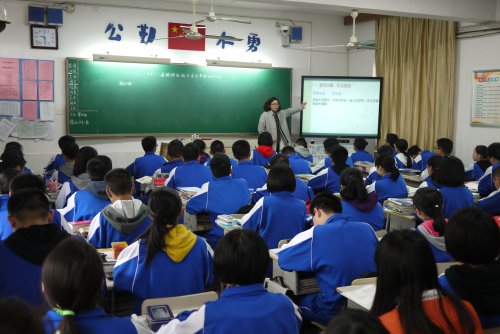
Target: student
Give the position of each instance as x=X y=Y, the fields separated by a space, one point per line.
x=12 y=149
x=222 y=195
x=357 y=204
x=265 y=151
x=80 y=178
x=352 y=321
x=390 y=139
x=13 y=159
x=147 y=164
x=168 y=260
x=350 y=247
x=6 y=176
x=408 y=298
x=124 y=219
x=428 y=204
x=297 y=164
x=204 y=157
x=486 y=185
x=329 y=179
x=86 y=203
x=244 y=307
x=58 y=160
x=280 y=215
x=450 y=177
x=372 y=173
x=302 y=191
x=302 y=150
x=191 y=174
x=24 y=251
x=403 y=159
x=65 y=171
x=218 y=147
x=491 y=204
x=174 y=156
x=359 y=151
x=444 y=147
x=481 y=162
x=255 y=175
x=432 y=167
x=72 y=278
x=16 y=317
x=391 y=183
x=419 y=157
x=329 y=144
x=472 y=239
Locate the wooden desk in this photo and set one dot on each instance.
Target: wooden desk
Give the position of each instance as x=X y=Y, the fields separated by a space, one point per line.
x=197 y=223
x=397 y=221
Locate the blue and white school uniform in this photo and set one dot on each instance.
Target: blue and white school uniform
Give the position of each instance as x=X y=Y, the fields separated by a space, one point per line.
x=86 y=204
x=386 y=188
x=436 y=242
x=53 y=166
x=299 y=165
x=302 y=191
x=243 y=309
x=327 y=163
x=169 y=165
x=95 y=321
x=303 y=153
x=276 y=217
x=120 y=221
x=361 y=156
x=478 y=171
x=350 y=247
x=370 y=212
x=223 y=195
x=455 y=199
x=234 y=163
x=372 y=176
x=326 y=180
x=259 y=159
x=401 y=160
x=75 y=183
x=420 y=162
x=429 y=183
x=192 y=174
x=5 y=228
x=486 y=185
x=144 y=166
x=490 y=204
x=255 y=175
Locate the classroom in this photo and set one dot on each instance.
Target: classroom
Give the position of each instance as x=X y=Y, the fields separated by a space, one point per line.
x=152 y=102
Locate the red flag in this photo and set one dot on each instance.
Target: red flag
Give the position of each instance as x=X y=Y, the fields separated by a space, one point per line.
x=181 y=43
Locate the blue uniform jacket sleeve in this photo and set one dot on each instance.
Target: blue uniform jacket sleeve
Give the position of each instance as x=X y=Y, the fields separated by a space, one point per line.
x=297 y=254
x=124 y=273
x=253 y=219
x=198 y=203
x=318 y=183
x=94 y=237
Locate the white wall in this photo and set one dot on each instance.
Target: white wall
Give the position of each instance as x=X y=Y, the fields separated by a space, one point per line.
x=83 y=35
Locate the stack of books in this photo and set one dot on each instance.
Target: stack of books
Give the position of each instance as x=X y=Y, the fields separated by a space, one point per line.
x=402 y=206
x=186 y=194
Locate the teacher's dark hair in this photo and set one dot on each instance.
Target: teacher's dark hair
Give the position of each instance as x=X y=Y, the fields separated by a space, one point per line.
x=267 y=104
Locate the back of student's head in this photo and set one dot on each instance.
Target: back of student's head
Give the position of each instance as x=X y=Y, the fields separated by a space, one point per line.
x=482 y=151
x=149 y=144
x=220 y=165
x=360 y=143
x=391 y=139
x=164 y=210
x=494 y=151
x=445 y=145
x=12 y=159
x=327 y=202
x=72 y=277
x=70 y=150
x=388 y=165
x=430 y=202
x=190 y=152
x=279 y=159
x=241 y=149
x=472 y=237
x=6 y=177
x=281 y=178
x=174 y=149
x=330 y=142
x=339 y=158
x=414 y=150
x=353 y=186
x=13 y=145
x=84 y=155
x=433 y=164
x=118 y=181
x=384 y=150
x=66 y=139
x=402 y=147
x=16 y=317
x=25 y=181
x=28 y=205
x=301 y=142
x=288 y=150
x=217 y=146
x=352 y=321
x=201 y=144
x=265 y=139
x=450 y=172
x=98 y=167
x=241 y=258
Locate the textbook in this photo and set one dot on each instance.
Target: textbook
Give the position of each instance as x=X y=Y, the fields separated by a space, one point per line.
x=402 y=206
x=186 y=193
x=81 y=227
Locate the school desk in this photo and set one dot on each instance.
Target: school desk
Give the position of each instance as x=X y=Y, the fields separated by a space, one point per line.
x=197 y=223
x=397 y=221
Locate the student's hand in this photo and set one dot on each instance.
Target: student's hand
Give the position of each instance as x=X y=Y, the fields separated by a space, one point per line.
x=302 y=106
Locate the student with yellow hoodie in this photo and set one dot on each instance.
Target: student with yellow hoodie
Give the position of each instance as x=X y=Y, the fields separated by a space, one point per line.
x=168 y=260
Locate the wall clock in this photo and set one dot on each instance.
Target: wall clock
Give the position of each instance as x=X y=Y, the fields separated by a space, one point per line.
x=44 y=37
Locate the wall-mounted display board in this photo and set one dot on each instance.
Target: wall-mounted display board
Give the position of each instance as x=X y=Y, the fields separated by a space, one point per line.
x=486 y=98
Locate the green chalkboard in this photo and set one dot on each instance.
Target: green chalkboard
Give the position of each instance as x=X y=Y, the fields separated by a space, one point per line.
x=111 y=98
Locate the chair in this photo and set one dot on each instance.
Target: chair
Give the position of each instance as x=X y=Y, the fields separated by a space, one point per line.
x=181 y=303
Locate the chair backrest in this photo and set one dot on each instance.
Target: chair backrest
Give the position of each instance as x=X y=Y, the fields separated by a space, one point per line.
x=181 y=303
x=369 y=280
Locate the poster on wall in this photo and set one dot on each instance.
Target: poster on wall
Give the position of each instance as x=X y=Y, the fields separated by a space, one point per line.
x=486 y=98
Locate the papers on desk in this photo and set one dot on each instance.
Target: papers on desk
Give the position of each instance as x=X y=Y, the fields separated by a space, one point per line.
x=145 y=180
x=472 y=186
x=402 y=206
x=228 y=221
x=411 y=191
x=363 y=296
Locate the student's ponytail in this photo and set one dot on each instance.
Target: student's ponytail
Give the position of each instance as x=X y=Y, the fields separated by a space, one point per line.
x=388 y=165
x=430 y=202
x=402 y=146
x=164 y=208
x=67 y=324
x=353 y=187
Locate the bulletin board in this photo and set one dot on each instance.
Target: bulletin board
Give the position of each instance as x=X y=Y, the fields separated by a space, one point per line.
x=485 y=109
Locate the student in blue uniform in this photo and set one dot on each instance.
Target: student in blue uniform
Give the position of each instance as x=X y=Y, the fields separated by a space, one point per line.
x=302 y=150
x=302 y=191
x=191 y=174
x=14 y=150
x=403 y=159
x=174 y=156
x=147 y=164
x=491 y=204
x=450 y=177
x=335 y=250
x=472 y=239
x=80 y=178
x=329 y=144
x=280 y=215
x=359 y=151
x=17 y=317
x=391 y=183
x=124 y=219
x=58 y=160
x=204 y=157
x=419 y=157
x=255 y=175
x=264 y=151
x=168 y=260
x=329 y=178
x=217 y=146
x=65 y=171
x=432 y=167
x=72 y=279
x=481 y=162
x=222 y=195
x=6 y=176
x=486 y=185
x=244 y=307
x=24 y=251
x=372 y=173
x=86 y=203
x=357 y=204
x=297 y=164
x=428 y=204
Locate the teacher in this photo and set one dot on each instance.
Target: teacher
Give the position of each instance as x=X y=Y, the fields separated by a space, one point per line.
x=273 y=120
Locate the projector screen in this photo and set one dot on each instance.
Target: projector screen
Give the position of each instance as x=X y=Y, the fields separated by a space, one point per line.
x=341 y=106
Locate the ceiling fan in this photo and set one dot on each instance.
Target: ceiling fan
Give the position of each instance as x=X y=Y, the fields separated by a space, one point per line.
x=212 y=18
x=353 y=43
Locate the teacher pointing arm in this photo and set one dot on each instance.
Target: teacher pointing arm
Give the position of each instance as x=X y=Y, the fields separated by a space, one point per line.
x=274 y=121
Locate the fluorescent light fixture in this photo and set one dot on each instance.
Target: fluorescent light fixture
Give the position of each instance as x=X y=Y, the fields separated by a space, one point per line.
x=128 y=59
x=228 y=63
